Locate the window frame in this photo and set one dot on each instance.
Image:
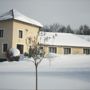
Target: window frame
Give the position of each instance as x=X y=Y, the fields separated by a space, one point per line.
x=3 y=47
x=20 y=34
x=86 y=50
x=1 y=33
x=67 y=50
x=52 y=49
x=41 y=47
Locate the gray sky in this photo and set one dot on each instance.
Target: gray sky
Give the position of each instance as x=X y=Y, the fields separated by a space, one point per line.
x=65 y=12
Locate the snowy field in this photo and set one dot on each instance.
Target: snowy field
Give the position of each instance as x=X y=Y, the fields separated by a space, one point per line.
x=64 y=72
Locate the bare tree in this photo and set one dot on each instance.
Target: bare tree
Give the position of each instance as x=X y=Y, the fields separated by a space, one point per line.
x=37 y=54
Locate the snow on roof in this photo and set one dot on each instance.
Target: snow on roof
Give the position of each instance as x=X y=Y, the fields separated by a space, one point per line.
x=86 y=37
x=13 y=14
x=62 y=39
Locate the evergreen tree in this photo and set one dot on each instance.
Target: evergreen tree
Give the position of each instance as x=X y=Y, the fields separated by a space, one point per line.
x=69 y=30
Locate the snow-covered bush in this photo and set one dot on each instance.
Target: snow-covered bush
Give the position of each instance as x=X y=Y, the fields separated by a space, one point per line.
x=13 y=54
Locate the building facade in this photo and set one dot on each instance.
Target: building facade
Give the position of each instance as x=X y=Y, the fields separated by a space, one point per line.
x=65 y=49
x=17 y=31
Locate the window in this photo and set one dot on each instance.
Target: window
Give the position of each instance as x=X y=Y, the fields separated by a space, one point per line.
x=20 y=34
x=29 y=40
x=86 y=51
x=5 y=47
x=1 y=33
x=41 y=48
x=53 y=49
x=67 y=50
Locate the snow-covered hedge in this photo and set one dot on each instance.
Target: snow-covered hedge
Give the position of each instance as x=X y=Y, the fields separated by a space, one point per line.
x=13 y=54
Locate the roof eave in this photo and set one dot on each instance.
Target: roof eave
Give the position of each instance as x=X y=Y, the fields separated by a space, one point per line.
x=40 y=26
x=29 y=23
x=64 y=45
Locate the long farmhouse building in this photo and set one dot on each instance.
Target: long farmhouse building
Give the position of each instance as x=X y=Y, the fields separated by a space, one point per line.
x=63 y=43
x=19 y=31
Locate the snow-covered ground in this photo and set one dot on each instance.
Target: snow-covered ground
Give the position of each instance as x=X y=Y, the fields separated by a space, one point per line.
x=62 y=72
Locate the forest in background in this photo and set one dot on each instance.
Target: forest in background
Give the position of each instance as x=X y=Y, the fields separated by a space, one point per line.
x=82 y=30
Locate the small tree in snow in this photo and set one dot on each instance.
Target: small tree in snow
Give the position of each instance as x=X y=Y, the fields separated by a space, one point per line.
x=37 y=54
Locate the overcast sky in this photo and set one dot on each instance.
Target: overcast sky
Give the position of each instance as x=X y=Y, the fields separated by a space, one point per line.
x=65 y=12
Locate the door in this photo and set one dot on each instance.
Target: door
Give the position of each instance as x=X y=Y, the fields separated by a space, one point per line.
x=20 y=47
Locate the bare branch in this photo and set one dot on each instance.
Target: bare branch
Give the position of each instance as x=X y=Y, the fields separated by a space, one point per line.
x=40 y=61
x=32 y=61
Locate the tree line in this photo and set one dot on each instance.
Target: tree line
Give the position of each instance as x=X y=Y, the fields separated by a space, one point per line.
x=82 y=30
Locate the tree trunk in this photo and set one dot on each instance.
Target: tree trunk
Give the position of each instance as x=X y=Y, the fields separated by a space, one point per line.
x=36 y=78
